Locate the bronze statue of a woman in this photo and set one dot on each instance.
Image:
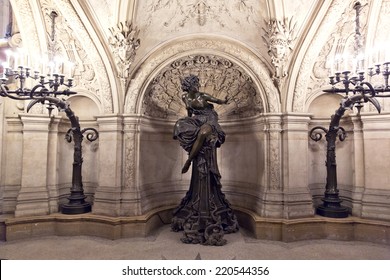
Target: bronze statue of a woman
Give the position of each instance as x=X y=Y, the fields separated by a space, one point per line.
x=204 y=214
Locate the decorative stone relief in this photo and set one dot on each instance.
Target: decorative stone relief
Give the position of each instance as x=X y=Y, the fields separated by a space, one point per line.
x=124 y=42
x=382 y=35
x=201 y=10
x=279 y=37
x=77 y=45
x=218 y=76
x=28 y=30
x=339 y=50
x=299 y=97
x=269 y=95
x=130 y=156
x=274 y=155
x=223 y=14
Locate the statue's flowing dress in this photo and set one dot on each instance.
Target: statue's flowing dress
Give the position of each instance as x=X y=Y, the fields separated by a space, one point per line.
x=204 y=214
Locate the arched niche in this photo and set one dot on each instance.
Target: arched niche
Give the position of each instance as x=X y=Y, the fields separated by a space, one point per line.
x=153 y=160
x=163 y=56
x=84 y=107
x=219 y=76
x=324 y=105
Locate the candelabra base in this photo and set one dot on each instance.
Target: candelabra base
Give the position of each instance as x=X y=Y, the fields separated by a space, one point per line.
x=76 y=208
x=332 y=212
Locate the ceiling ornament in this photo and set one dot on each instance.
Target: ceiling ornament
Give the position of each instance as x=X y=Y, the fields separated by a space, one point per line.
x=279 y=37
x=218 y=77
x=193 y=10
x=124 y=42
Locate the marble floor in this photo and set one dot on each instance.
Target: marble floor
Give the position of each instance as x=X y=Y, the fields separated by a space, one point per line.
x=166 y=244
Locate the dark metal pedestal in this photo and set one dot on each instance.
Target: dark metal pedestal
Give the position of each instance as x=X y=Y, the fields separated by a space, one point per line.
x=332 y=207
x=76 y=205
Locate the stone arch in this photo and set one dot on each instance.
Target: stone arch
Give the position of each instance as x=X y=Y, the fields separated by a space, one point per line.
x=74 y=42
x=224 y=48
x=322 y=104
x=84 y=106
x=300 y=78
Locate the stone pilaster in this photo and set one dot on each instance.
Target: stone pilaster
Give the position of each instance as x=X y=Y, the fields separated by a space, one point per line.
x=131 y=203
x=273 y=195
x=108 y=193
x=52 y=166
x=12 y=164
x=33 y=195
x=297 y=199
x=358 y=166
x=376 y=196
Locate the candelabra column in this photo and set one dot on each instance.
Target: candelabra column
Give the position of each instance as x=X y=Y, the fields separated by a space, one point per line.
x=331 y=206
x=77 y=203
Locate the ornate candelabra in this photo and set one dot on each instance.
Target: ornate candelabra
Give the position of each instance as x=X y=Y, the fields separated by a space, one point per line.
x=356 y=92
x=47 y=91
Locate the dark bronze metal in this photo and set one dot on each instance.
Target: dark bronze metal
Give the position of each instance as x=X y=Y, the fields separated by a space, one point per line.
x=331 y=202
x=77 y=203
x=357 y=92
x=47 y=92
x=204 y=214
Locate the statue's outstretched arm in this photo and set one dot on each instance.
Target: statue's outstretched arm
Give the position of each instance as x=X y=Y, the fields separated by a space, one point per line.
x=210 y=98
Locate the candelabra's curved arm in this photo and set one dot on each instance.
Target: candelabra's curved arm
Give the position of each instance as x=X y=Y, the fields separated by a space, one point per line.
x=35 y=88
x=68 y=135
x=4 y=93
x=343 y=134
x=362 y=94
x=92 y=135
x=59 y=103
x=318 y=135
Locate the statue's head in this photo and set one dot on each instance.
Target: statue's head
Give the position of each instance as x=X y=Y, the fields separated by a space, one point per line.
x=190 y=82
